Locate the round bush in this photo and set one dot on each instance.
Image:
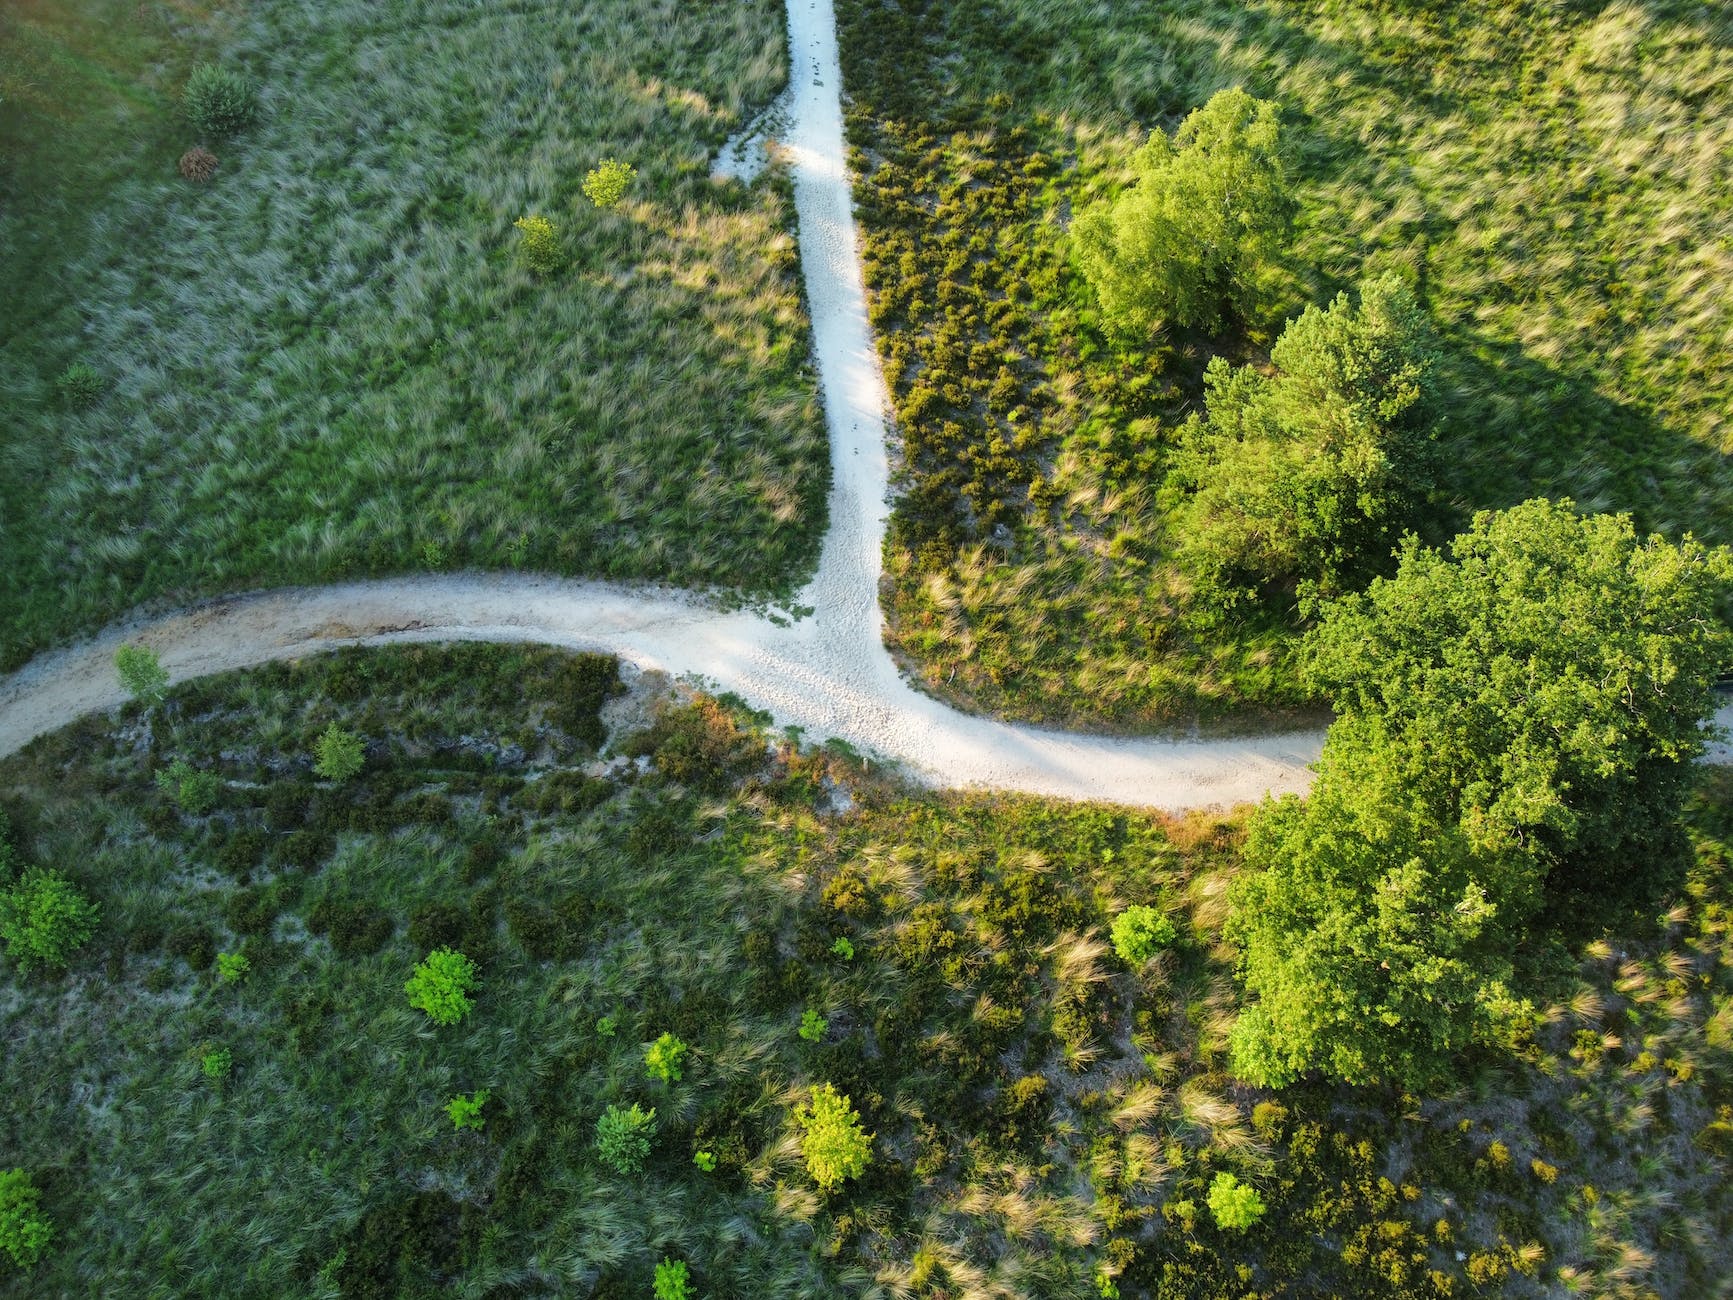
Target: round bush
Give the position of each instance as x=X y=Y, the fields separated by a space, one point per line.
x=1140 y=932
x=43 y=919
x=623 y=1135
x=24 y=1232
x=441 y=986
x=1234 y=1205
x=219 y=102
x=79 y=385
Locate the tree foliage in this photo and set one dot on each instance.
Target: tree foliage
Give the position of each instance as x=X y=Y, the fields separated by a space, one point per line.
x=1310 y=473
x=832 y=1140
x=24 y=1231
x=1208 y=209
x=44 y=919
x=1514 y=721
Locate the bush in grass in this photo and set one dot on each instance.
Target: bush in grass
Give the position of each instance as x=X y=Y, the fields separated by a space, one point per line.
x=441 y=986
x=671 y=1280
x=1139 y=932
x=538 y=247
x=662 y=1058
x=232 y=967
x=338 y=754
x=218 y=101
x=1209 y=209
x=812 y=1025
x=623 y=1136
x=832 y=1141
x=842 y=948
x=24 y=1231
x=44 y=919
x=1234 y=1205
x=217 y=1063
x=705 y=1160
x=141 y=672
x=465 y=1111
x=607 y=184
x=79 y=385
x=195 y=791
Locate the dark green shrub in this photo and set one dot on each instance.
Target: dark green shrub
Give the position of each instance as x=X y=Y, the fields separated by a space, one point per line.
x=241 y=851
x=79 y=385
x=44 y=919
x=194 y=791
x=355 y=929
x=404 y=1246
x=554 y=933
x=623 y=1136
x=219 y=102
x=437 y=925
x=252 y=912
x=700 y=744
x=193 y=944
x=305 y=850
x=25 y=1232
x=286 y=805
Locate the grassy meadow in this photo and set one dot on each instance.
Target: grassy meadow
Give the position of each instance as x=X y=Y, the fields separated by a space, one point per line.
x=327 y=360
x=1549 y=177
x=1047 y=1119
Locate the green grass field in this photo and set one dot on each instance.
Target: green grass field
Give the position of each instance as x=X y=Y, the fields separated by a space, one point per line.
x=1549 y=177
x=1044 y=1115
x=328 y=362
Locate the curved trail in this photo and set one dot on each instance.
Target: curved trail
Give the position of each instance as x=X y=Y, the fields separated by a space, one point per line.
x=828 y=674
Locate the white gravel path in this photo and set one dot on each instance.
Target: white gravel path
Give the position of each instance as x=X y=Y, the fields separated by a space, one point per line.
x=828 y=673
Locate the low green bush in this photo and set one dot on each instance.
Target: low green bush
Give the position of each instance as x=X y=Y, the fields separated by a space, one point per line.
x=1234 y=1205
x=606 y=185
x=812 y=1025
x=538 y=244
x=663 y=1058
x=832 y=1141
x=79 y=385
x=25 y=1232
x=219 y=101
x=465 y=1110
x=216 y=1063
x=1139 y=932
x=671 y=1281
x=623 y=1136
x=441 y=986
x=232 y=967
x=44 y=919
x=196 y=792
x=141 y=672
x=338 y=754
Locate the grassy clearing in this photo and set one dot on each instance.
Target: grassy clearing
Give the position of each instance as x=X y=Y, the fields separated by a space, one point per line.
x=1548 y=176
x=1044 y=1116
x=328 y=361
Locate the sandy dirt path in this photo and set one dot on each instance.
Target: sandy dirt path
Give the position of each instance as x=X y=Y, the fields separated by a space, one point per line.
x=828 y=674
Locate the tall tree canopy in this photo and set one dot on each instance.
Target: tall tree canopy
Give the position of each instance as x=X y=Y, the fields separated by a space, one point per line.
x=1514 y=723
x=1310 y=473
x=1209 y=207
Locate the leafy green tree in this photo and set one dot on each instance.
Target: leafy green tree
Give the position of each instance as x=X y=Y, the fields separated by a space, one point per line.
x=539 y=244
x=25 y=1232
x=1234 y=1205
x=141 y=672
x=832 y=1140
x=1514 y=726
x=605 y=185
x=441 y=986
x=664 y=1057
x=1544 y=687
x=1208 y=209
x=1139 y=932
x=44 y=919
x=623 y=1136
x=1310 y=474
x=338 y=754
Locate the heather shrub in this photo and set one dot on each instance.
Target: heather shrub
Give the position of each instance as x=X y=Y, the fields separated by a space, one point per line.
x=43 y=919
x=623 y=1135
x=441 y=986
x=218 y=101
x=24 y=1231
x=607 y=184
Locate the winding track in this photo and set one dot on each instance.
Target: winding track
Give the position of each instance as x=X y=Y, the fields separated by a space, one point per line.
x=828 y=674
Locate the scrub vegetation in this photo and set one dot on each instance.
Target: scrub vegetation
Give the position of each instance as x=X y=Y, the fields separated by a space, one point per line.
x=1544 y=178
x=326 y=358
x=1000 y=1104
